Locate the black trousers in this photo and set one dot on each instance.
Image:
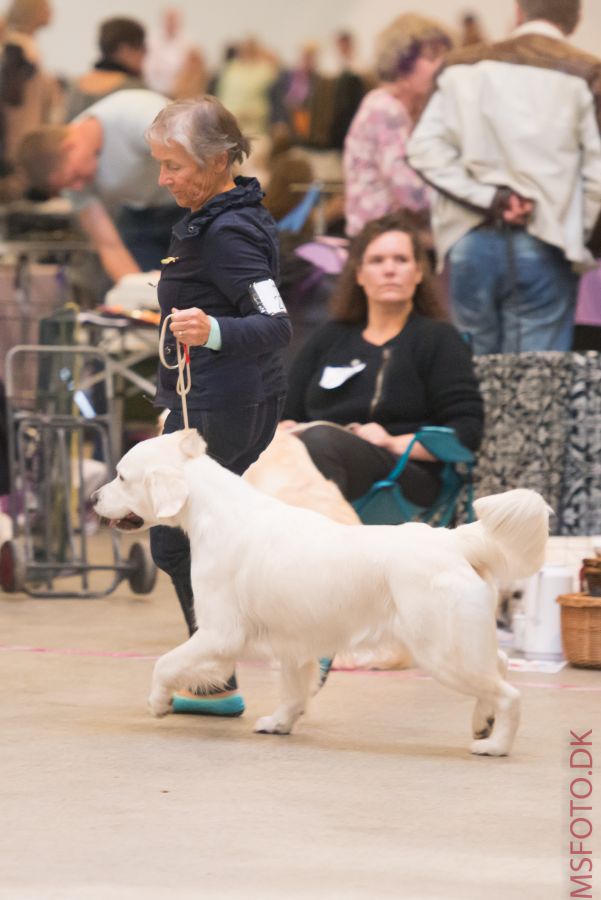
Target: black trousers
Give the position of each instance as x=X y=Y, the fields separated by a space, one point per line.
x=235 y=438
x=354 y=464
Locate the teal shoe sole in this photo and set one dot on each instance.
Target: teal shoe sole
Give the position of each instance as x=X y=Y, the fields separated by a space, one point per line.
x=201 y=706
x=325 y=665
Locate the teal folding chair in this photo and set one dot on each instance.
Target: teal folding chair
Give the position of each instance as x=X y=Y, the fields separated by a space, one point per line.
x=385 y=504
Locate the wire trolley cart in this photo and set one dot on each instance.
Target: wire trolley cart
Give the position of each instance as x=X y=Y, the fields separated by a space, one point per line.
x=52 y=424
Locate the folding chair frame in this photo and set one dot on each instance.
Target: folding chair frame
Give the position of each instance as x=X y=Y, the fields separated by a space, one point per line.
x=385 y=504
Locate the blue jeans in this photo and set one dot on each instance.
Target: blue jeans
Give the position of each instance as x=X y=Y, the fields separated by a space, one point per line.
x=235 y=438
x=511 y=292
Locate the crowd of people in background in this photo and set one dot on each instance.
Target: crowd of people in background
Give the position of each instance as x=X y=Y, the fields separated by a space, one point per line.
x=336 y=150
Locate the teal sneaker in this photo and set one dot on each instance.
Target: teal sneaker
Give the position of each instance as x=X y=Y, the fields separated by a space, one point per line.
x=325 y=665
x=225 y=703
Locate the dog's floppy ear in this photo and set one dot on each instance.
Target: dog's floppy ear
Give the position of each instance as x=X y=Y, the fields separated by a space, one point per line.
x=191 y=443
x=167 y=489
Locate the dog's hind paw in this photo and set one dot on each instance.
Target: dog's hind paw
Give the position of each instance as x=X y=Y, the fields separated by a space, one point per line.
x=488 y=747
x=271 y=725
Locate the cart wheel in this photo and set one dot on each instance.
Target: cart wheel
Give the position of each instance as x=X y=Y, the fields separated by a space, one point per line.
x=12 y=567
x=143 y=572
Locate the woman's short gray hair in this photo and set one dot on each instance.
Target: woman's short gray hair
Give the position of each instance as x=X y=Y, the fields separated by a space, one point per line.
x=203 y=127
x=400 y=44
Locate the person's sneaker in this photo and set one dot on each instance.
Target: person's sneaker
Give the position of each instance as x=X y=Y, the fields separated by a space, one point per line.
x=224 y=703
x=325 y=665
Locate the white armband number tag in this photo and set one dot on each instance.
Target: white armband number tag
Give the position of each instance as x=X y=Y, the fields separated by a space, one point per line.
x=266 y=297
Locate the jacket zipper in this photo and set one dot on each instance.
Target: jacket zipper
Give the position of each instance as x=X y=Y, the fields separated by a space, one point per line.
x=377 y=395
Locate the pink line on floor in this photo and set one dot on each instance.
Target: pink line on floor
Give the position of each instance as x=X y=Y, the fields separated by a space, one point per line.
x=409 y=674
x=70 y=651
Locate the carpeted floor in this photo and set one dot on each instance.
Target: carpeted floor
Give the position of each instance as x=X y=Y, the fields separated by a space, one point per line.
x=374 y=796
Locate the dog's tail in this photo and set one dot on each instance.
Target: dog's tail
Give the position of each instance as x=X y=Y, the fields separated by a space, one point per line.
x=508 y=541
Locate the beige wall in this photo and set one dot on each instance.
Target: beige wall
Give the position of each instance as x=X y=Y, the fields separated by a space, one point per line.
x=69 y=43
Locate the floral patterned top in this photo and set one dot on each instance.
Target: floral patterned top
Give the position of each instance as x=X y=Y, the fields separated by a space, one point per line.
x=378 y=179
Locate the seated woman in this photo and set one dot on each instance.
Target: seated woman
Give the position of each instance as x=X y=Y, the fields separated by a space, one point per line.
x=384 y=367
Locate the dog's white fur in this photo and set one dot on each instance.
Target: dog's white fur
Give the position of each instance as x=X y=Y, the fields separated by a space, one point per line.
x=264 y=572
x=285 y=470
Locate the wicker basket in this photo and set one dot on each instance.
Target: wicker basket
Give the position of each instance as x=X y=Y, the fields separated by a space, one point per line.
x=581 y=629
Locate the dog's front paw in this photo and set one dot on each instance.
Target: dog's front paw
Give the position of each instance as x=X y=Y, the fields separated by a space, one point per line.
x=488 y=747
x=160 y=704
x=486 y=729
x=271 y=725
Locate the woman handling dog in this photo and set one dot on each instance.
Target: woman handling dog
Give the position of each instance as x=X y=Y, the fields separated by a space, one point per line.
x=218 y=285
x=384 y=367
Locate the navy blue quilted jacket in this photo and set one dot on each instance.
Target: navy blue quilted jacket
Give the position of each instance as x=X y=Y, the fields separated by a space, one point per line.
x=215 y=253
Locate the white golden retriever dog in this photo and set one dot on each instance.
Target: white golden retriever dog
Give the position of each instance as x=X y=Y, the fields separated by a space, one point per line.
x=266 y=573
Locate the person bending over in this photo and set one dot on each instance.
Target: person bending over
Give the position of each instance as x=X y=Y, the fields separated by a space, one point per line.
x=101 y=161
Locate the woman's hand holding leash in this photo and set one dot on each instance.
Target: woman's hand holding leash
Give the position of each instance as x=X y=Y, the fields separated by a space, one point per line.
x=190 y=326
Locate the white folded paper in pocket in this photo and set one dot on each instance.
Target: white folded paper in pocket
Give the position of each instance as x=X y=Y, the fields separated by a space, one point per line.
x=335 y=376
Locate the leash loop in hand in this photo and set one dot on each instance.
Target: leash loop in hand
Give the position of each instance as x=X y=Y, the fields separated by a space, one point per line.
x=184 y=377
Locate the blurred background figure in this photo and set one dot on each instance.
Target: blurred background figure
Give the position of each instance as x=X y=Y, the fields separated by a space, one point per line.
x=29 y=96
x=100 y=162
x=350 y=88
x=517 y=207
x=471 y=30
x=377 y=177
x=345 y=46
x=288 y=169
x=174 y=66
x=318 y=108
x=244 y=88
x=244 y=85
x=229 y=52
x=122 y=46
x=291 y=94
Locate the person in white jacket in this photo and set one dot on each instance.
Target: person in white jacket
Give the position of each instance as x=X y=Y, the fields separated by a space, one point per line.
x=511 y=141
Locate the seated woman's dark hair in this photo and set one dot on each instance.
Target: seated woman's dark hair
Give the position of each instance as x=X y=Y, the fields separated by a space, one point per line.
x=348 y=302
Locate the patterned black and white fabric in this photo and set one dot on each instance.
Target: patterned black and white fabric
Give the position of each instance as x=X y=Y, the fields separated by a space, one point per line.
x=543 y=431
x=580 y=511
x=527 y=400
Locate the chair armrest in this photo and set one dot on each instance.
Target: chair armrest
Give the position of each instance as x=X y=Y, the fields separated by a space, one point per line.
x=441 y=442
x=444 y=444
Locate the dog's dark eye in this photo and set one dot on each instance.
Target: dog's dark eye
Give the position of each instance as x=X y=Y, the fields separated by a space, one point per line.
x=121 y=478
